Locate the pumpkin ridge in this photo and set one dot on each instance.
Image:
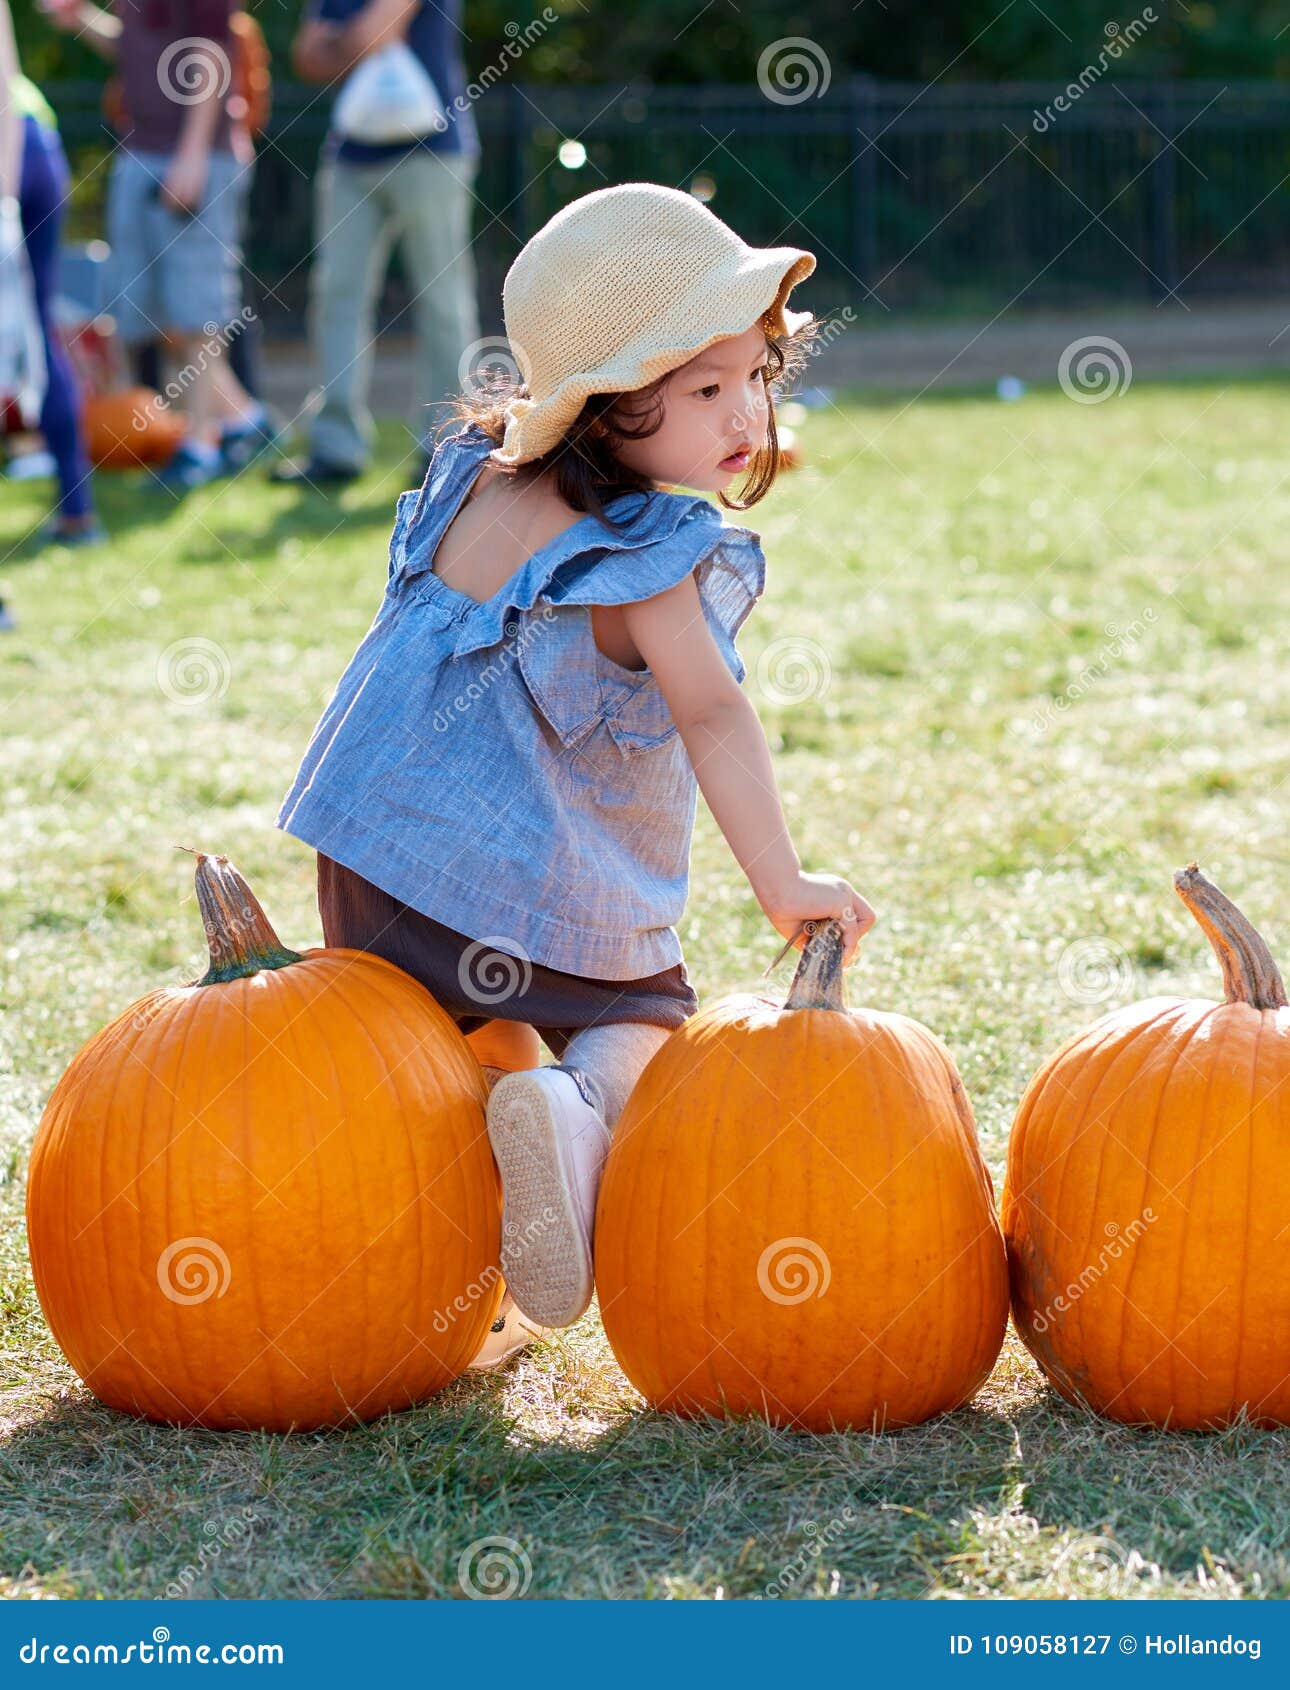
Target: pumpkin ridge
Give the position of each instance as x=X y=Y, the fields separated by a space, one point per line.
x=168 y=1123
x=1065 y=1155
x=160 y=1398
x=293 y=990
x=385 y=974
x=106 y=1148
x=658 y=1263
x=1103 y=1066
x=1028 y=1229
x=355 y=1187
x=374 y=982
x=205 y=1027
x=1093 y=1120
x=1202 y=1134
x=973 y=1293
x=370 y=983
x=1126 y=1306
x=1249 y=1125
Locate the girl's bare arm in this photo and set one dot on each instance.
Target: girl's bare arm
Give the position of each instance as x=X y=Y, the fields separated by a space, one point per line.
x=732 y=763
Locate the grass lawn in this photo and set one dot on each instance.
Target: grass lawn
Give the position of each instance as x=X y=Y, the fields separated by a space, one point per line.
x=1019 y=661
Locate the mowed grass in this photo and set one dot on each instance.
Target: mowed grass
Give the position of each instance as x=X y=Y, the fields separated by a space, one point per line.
x=1018 y=662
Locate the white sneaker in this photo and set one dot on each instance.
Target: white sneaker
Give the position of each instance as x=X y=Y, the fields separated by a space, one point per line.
x=550 y=1146
x=510 y=1333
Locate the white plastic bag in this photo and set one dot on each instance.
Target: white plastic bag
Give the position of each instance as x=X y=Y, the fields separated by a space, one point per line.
x=388 y=97
x=23 y=375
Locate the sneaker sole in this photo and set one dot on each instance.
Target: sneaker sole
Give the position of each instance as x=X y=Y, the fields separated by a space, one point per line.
x=546 y=1264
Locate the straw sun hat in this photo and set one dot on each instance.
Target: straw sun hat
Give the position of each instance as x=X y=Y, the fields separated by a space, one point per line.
x=621 y=287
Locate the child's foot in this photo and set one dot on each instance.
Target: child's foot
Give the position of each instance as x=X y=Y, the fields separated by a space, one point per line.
x=73 y=531
x=510 y=1333
x=550 y=1146
x=241 y=442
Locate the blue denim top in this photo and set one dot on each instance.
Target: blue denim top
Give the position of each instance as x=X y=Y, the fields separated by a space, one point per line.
x=486 y=764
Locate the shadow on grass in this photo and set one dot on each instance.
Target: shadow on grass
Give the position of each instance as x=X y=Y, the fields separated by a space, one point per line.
x=569 y=1497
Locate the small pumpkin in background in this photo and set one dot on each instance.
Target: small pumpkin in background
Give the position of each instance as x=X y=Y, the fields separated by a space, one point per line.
x=1146 y=1205
x=795 y=1220
x=266 y=1200
x=130 y=428
x=505 y=1047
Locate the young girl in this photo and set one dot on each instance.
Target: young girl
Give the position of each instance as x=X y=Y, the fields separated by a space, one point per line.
x=502 y=790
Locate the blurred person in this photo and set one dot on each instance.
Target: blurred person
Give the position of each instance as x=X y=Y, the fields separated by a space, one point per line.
x=176 y=194
x=415 y=191
x=33 y=170
x=249 y=105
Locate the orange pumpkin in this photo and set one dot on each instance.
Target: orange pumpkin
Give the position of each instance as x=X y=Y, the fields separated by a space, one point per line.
x=795 y=1220
x=130 y=428
x=266 y=1198
x=505 y=1047
x=1146 y=1198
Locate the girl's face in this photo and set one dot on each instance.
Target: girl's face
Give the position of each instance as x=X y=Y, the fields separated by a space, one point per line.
x=714 y=418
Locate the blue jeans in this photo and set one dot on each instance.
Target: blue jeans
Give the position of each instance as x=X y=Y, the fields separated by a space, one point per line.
x=42 y=198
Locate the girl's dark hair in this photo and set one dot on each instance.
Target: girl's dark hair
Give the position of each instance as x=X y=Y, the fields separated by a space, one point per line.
x=584 y=466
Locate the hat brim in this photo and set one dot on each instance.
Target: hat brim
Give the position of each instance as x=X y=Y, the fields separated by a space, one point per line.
x=748 y=287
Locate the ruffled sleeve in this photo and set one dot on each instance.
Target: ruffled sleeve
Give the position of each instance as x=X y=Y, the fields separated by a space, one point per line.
x=654 y=551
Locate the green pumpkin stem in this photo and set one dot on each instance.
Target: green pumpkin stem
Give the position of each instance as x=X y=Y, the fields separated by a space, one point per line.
x=241 y=939
x=1250 y=974
x=818 y=981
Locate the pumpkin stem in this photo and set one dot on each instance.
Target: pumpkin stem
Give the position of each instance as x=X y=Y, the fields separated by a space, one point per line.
x=1250 y=975
x=818 y=981
x=241 y=939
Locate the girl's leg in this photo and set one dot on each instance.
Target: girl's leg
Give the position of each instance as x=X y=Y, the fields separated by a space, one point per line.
x=608 y=1060
x=504 y=1047
x=550 y=1139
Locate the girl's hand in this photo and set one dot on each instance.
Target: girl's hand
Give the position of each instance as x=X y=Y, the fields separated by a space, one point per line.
x=816 y=897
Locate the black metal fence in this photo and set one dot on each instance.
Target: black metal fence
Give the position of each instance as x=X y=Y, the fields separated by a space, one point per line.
x=932 y=199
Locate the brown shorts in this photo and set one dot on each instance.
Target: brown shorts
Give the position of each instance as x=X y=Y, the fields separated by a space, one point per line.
x=477 y=984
